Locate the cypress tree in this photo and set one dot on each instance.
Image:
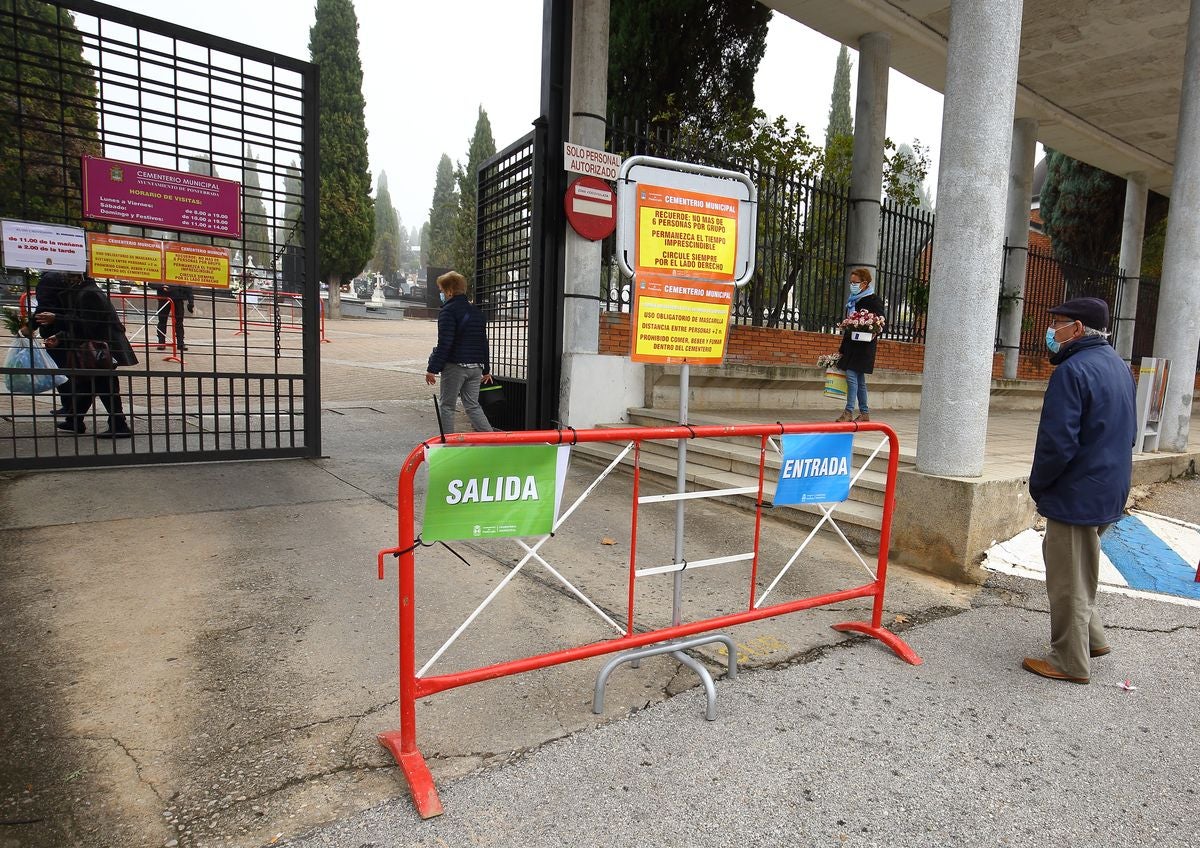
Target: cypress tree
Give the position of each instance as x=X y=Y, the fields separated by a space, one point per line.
x=347 y=220
x=423 y=241
x=40 y=146
x=839 y=132
x=482 y=147
x=255 y=233
x=387 y=244
x=443 y=218
x=293 y=207
x=1081 y=208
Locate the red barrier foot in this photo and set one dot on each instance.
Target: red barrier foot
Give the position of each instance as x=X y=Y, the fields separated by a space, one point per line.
x=887 y=637
x=420 y=781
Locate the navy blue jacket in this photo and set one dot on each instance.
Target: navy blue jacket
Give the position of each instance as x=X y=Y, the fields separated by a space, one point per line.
x=1083 y=462
x=462 y=336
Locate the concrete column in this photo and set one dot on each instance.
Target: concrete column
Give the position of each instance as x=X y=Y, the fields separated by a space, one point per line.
x=1016 y=233
x=866 y=165
x=1133 y=232
x=1177 y=328
x=581 y=306
x=981 y=84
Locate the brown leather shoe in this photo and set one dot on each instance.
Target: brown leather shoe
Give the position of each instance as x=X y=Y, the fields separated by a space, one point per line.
x=863 y=417
x=1100 y=652
x=845 y=416
x=1044 y=669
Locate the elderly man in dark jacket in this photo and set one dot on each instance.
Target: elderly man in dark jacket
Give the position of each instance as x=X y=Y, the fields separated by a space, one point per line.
x=461 y=355
x=1082 y=470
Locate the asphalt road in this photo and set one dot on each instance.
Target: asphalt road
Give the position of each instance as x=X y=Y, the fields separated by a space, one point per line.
x=858 y=749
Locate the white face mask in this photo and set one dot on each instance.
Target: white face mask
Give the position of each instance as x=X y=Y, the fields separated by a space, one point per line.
x=442 y=296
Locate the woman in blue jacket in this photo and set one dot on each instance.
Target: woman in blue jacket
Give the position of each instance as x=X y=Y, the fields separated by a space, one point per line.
x=461 y=355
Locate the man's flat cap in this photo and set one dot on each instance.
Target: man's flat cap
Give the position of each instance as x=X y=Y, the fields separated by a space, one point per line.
x=1092 y=311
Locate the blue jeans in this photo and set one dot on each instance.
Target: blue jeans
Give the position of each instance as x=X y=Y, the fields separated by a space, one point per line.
x=856 y=386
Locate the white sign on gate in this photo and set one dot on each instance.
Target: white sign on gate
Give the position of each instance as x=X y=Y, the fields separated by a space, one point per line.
x=43 y=247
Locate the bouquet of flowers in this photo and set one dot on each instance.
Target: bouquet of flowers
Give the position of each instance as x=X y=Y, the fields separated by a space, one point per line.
x=829 y=360
x=863 y=321
x=13 y=322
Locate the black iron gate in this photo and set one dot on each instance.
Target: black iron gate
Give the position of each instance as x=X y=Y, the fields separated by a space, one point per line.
x=223 y=373
x=519 y=241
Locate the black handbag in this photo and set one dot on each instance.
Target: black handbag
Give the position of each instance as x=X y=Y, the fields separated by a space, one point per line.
x=491 y=397
x=92 y=355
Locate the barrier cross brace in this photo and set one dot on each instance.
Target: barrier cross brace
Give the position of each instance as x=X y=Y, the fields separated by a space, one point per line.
x=402 y=743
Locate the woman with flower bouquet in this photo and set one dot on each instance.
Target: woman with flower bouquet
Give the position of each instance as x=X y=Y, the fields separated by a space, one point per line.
x=860 y=336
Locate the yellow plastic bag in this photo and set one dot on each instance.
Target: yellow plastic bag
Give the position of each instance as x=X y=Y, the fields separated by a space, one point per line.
x=835 y=383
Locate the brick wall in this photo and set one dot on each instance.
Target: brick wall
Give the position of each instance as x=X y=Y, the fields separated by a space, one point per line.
x=766 y=346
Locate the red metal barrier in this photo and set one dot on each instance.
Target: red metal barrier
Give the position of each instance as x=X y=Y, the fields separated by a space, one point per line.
x=403 y=742
x=122 y=303
x=289 y=303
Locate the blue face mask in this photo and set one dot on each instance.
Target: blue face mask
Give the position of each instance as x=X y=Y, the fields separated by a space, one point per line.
x=1051 y=341
x=855 y=288
x=442 y=297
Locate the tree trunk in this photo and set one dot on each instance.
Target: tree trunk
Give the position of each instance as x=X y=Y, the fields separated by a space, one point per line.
x=334 y=309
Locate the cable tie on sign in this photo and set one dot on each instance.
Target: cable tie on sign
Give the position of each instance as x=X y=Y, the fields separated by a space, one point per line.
x=419 y=543
x=451 y=550
x=574 y=435
x=690 y=430
x=685 y=565
x=781 y=428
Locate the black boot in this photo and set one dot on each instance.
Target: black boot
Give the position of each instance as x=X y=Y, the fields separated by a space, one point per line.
x=118 y=428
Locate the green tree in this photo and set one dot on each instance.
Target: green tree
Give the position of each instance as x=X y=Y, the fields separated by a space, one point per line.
x=839 y=132
x=1081 y=208
x=404 y=250
x=292 y=207
x=685 y=63
x=482 y=147
x=255 y=233
x=49 y=113
x=387 y=228
x=347 y=220
x=443 y=218
x=423 y=241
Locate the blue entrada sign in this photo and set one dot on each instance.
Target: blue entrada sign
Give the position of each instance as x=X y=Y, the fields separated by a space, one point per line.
x=816 y=468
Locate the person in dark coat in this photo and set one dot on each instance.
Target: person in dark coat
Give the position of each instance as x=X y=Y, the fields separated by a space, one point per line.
x=171 y=299
x=858 y=347
x=89 y=316
x=461 y=355
x=1081 y=475
x=51 y=289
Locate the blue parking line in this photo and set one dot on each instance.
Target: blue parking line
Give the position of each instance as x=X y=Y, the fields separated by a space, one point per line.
x=1146 y=561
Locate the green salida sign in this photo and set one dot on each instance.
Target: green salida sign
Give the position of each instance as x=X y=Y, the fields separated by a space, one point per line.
x=492 y=491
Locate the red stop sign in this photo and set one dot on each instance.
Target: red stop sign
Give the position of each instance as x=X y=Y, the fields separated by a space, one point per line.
x=591 y=206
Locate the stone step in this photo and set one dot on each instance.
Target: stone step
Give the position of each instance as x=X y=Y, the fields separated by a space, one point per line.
x=742 y=460
x=864 y=443
x=801 y=387
x=860 y=521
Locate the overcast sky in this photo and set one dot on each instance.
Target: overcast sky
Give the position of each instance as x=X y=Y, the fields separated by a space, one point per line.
x=428 y=66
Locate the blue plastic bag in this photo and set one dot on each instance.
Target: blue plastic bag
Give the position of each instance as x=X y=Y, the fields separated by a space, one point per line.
x=24 y=354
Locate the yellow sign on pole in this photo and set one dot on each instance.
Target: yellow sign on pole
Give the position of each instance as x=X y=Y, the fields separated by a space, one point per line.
x=197 y=265
x=686 y=233
x=125 y=258
x=680 y=321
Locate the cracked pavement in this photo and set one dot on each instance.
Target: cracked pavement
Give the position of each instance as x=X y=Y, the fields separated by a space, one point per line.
x=202 y=655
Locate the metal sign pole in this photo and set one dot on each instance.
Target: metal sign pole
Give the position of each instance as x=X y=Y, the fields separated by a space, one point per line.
x=680 y=488
x=740 y=189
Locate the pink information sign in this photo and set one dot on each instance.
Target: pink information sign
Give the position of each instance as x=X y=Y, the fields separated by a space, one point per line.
x=156 y=197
